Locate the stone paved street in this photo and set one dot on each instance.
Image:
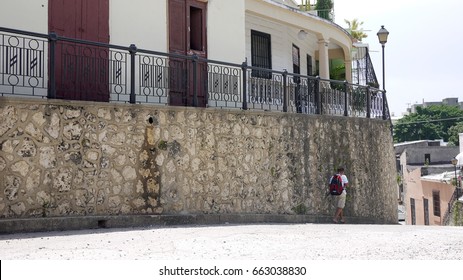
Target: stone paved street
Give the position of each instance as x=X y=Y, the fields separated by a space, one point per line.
x=238 y=242
x=244 y=251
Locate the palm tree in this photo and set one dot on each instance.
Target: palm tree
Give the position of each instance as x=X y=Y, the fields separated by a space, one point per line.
x=355 y=30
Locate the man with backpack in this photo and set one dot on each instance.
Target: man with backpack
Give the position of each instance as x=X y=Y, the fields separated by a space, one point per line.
x=338 y=184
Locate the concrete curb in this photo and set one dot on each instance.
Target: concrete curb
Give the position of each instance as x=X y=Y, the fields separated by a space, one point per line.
x=8 y=226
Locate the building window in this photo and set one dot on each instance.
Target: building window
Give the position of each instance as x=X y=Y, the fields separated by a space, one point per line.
x=296 y=60
x=196 y=29
x=412 y=210
x=309 y=66
x=427 y=159
x=261 y=55
x=436 y=203
x=296 y=63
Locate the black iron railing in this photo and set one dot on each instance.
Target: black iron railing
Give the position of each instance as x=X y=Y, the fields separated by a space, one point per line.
x=50 y=66
x=364 y=72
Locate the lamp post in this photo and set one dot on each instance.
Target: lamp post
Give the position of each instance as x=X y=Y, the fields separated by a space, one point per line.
x=382 y=36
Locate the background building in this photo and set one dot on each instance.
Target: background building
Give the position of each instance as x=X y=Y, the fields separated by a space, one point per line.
x=450 y=101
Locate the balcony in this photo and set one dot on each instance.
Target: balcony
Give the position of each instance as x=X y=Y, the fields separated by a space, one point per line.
x=49 y=66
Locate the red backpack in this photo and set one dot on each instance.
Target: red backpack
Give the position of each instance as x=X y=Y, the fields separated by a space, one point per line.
x=335 y=186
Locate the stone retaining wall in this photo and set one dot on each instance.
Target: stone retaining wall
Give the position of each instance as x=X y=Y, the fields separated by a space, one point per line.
x=64 y=159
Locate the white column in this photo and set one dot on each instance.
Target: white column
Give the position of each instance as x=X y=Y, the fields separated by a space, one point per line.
x=324 y=59
x=348 y=64
x=460 y=139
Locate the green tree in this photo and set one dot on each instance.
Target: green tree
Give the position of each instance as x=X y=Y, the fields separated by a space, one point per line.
x=324 y=8
x=355 y=30
x=338 y=72
x=428 y=123
x=454 y=132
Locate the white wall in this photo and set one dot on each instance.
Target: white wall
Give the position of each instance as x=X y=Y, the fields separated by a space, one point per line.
x=226 y=30
x=139 y=22
x=142 y=22
x=145 y=23
x=282 y=39
x=24 y=14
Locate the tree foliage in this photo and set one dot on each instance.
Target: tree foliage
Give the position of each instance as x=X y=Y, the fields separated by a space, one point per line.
x=454 y=132
x=324 y=8
x=355 y=30
x=428 y=123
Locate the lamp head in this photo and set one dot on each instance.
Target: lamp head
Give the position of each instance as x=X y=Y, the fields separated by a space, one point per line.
x=382 y=35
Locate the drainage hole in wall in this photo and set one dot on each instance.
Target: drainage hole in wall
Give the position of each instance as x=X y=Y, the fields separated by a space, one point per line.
x=102 y=223
x=151 y=120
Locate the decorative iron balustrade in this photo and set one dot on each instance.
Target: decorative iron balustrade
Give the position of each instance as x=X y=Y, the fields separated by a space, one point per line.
x=302 y=94
x=23 y=66
x=265 y=93
x=224 y=85
x=363 y=72
x=49 y=66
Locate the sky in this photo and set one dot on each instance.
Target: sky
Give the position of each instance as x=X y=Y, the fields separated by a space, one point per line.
x=424 y=52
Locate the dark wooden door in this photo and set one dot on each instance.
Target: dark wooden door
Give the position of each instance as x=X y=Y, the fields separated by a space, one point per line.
x=81 y=70
x=187 y=36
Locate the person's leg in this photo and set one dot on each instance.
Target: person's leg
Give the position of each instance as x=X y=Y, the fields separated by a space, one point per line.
x=341 y=204
x=336 y=213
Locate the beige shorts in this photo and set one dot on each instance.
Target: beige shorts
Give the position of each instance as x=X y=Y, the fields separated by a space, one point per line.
x=340 y=200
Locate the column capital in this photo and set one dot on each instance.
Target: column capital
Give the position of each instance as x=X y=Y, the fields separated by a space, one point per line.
x=323 y=41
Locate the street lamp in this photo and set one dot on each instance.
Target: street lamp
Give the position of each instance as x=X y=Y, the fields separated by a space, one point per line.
x=382 y=36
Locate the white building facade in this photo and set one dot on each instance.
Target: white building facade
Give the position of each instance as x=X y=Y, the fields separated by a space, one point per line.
x=228 y=29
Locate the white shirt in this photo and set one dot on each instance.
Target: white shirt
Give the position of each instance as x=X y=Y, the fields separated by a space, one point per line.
x=344 y=181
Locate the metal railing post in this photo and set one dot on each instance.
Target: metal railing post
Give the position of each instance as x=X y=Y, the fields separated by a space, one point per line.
x=368 y=102
x=132 y=51
x=345 y=99
x=244 y=69
x=318 y=96
x=285 y=91
x=52 y=38
x=195 y=82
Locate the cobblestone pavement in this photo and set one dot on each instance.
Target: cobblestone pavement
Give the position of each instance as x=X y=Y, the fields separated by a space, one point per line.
x=238 y=242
